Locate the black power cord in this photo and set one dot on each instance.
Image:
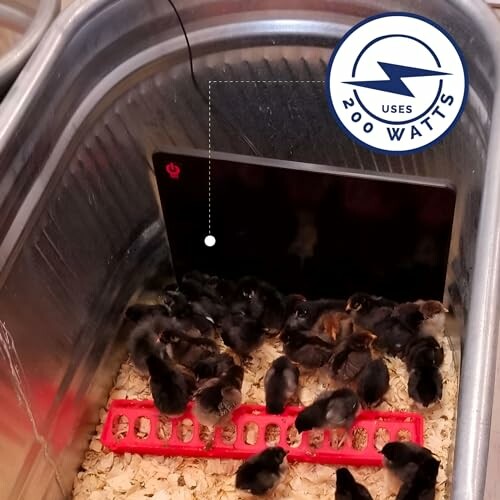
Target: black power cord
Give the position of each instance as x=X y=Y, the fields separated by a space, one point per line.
x=235 y=128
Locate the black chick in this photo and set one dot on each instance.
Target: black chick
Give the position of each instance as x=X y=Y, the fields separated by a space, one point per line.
x=192 y=317
x=280 y=384
x=215 y=400
x=223 y=290
x=203 y=297
x=194 y=287
x=251 y=308
x=242 y=332
x=422 y=353
x=410 y=315
x=351 y=355
x=213 y=366
x=367 y=310
x=373 y=383
x=211 y=310
x=306 y=313
x=393 y=336
x=348 y=489
x=145 y=339
x=332 y=409
x=273 y=315
x=250 y=289
x=248 y=286
x=291 y=302
x=300 y=315
x=423 y=484
x=425 y=386
x=309 y=351
x=403 y=459
x=262 y=472
x=171 y=388
x=138 y=312
x=176 y=302
x=187 y=350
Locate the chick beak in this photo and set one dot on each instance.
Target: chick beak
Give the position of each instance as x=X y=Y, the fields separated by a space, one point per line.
x=348 y=307
x=445 y=310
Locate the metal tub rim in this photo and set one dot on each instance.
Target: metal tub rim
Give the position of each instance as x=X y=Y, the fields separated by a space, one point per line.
x=13 y=60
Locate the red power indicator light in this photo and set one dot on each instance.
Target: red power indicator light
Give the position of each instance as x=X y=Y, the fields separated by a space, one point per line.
x=173 y=170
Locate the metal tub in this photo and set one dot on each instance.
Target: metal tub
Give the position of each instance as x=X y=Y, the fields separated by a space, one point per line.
x=80 y=225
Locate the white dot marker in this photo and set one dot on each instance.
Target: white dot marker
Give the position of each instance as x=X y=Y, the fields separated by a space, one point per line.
x=209 y=240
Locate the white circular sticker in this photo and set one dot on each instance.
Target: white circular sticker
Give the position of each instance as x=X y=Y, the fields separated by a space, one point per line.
x=397 y=83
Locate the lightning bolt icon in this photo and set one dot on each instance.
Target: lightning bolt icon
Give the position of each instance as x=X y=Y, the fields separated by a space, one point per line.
x=394 y=84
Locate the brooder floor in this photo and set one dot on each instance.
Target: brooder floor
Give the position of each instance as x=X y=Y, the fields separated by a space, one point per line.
x=105 y=475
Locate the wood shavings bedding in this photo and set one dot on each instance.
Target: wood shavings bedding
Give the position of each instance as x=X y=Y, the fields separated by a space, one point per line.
x=106 y=476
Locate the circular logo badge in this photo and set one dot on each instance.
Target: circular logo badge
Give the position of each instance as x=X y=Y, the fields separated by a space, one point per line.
x=397 y=83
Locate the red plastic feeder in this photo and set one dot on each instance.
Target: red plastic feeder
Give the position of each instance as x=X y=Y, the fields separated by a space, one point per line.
x=394 y=425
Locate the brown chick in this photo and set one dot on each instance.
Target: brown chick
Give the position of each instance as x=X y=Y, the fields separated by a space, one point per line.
x=333 y=325
x=434 y=314
x=215 y=401
x=351 y=354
